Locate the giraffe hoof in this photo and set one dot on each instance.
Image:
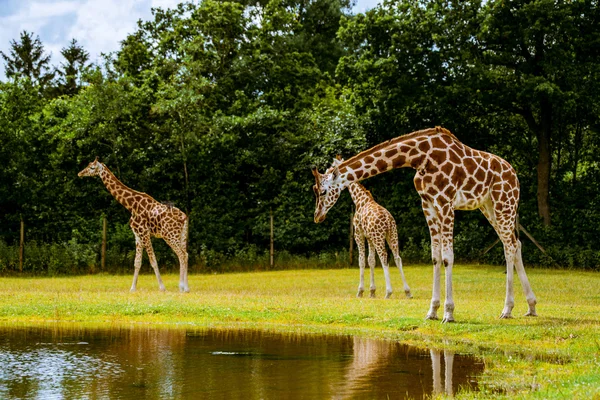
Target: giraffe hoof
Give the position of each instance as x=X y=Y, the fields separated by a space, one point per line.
x=388 y=295
x=359 y=294
x=447 y=320
x=505 y=316
x=531 y=314
x=408 y=294
x=132 y=290
x=432 y=317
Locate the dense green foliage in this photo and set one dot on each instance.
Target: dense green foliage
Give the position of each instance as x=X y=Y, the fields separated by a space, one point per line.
x=222 y=107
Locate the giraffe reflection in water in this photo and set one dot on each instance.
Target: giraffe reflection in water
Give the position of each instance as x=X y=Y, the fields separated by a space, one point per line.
x=437 y=371
x=416 y=373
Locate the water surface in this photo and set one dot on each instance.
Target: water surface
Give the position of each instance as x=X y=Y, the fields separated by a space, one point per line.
x=67 y=362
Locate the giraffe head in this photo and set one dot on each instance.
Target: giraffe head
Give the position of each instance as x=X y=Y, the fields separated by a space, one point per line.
x=327 y=189
x=93 y=169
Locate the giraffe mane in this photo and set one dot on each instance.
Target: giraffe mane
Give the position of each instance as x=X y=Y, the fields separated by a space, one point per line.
x=381 y=146
x=365 y=190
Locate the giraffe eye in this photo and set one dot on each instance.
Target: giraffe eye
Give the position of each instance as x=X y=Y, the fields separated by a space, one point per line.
x=323 y=193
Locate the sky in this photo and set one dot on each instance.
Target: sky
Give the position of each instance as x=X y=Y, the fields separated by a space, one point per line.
x=97 y=25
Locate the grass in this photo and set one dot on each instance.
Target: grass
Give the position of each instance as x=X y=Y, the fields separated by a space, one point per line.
x=556 y=355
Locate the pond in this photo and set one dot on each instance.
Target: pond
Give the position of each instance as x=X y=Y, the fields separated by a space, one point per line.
x=74 y=361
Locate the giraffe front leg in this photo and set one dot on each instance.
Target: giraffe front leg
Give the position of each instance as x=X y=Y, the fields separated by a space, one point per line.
x=447 y=215
x=449 y=303
x=360 y=244
x=139 y=249
x=436 y=256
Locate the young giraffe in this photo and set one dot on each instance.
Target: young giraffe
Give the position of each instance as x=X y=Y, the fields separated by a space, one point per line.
x=148 y=218
x=374 y=223
x=450 y=176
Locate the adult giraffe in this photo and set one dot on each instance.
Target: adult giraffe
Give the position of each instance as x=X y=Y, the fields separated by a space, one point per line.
x=148 y=218
x=450 y=176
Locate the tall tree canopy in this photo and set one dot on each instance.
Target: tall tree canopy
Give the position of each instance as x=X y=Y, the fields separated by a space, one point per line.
x=222 y=106
x=27 y=59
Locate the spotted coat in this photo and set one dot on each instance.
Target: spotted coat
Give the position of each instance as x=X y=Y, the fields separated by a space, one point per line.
x=449 y=176
x=148 y=218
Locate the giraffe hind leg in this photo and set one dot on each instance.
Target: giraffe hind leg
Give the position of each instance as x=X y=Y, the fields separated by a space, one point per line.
x=393 y=243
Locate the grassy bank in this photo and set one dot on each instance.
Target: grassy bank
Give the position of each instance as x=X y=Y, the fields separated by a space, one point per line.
x=556 y=355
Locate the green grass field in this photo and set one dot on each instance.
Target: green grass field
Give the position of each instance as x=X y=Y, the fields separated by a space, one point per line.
x=556 y=355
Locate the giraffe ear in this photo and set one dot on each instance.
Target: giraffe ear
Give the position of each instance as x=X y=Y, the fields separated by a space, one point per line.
x=316 y=174
x=96 y=159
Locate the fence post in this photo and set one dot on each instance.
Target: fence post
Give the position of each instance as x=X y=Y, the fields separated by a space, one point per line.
x=103 y=251
x=22 y=246
x=351 y=251
x=271 y=252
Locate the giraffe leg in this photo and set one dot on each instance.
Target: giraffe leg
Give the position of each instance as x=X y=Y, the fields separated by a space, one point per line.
x=393 y=243
x=360 y=245
x=139 y=249
x=383 y=257
x=502 y=219
x=449 y=363
x=152 y=257
x=531 y=300
x=372 y=263
x=436 y=256
x=436 y=367
x=182 y=255
x=446 y=214
x=509 y=302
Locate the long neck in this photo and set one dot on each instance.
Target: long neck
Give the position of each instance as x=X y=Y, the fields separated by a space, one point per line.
x=128 y=197
x=404 y=151
x=360 y=195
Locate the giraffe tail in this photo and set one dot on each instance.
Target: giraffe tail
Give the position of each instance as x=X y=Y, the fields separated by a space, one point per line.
x=184 y=234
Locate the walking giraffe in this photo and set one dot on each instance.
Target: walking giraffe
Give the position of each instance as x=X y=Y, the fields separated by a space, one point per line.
x=375 y=224
x=148 y=218
x=450 y=176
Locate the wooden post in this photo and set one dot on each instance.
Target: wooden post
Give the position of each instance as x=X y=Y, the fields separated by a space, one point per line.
x=22 y=246
x=103 y=251
x=272 y=251
x=351 y=251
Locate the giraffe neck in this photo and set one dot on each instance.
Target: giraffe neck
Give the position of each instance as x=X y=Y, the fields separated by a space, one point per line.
x=404 y=151
x=360 y=195
x=128 y=197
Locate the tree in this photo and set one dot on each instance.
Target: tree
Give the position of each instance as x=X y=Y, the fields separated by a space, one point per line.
x=27 y=59
x=70 y=72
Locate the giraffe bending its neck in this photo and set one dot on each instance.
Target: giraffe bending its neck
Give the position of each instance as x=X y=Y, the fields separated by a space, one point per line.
x=450 y=176
x=148 y=218
x=374 y=223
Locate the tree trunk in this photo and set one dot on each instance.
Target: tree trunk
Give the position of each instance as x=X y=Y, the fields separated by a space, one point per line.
x=544 y=161
x=543 y=133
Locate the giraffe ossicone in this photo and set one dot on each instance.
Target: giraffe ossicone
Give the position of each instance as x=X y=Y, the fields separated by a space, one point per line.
x=148 y=218
x=450 y=176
